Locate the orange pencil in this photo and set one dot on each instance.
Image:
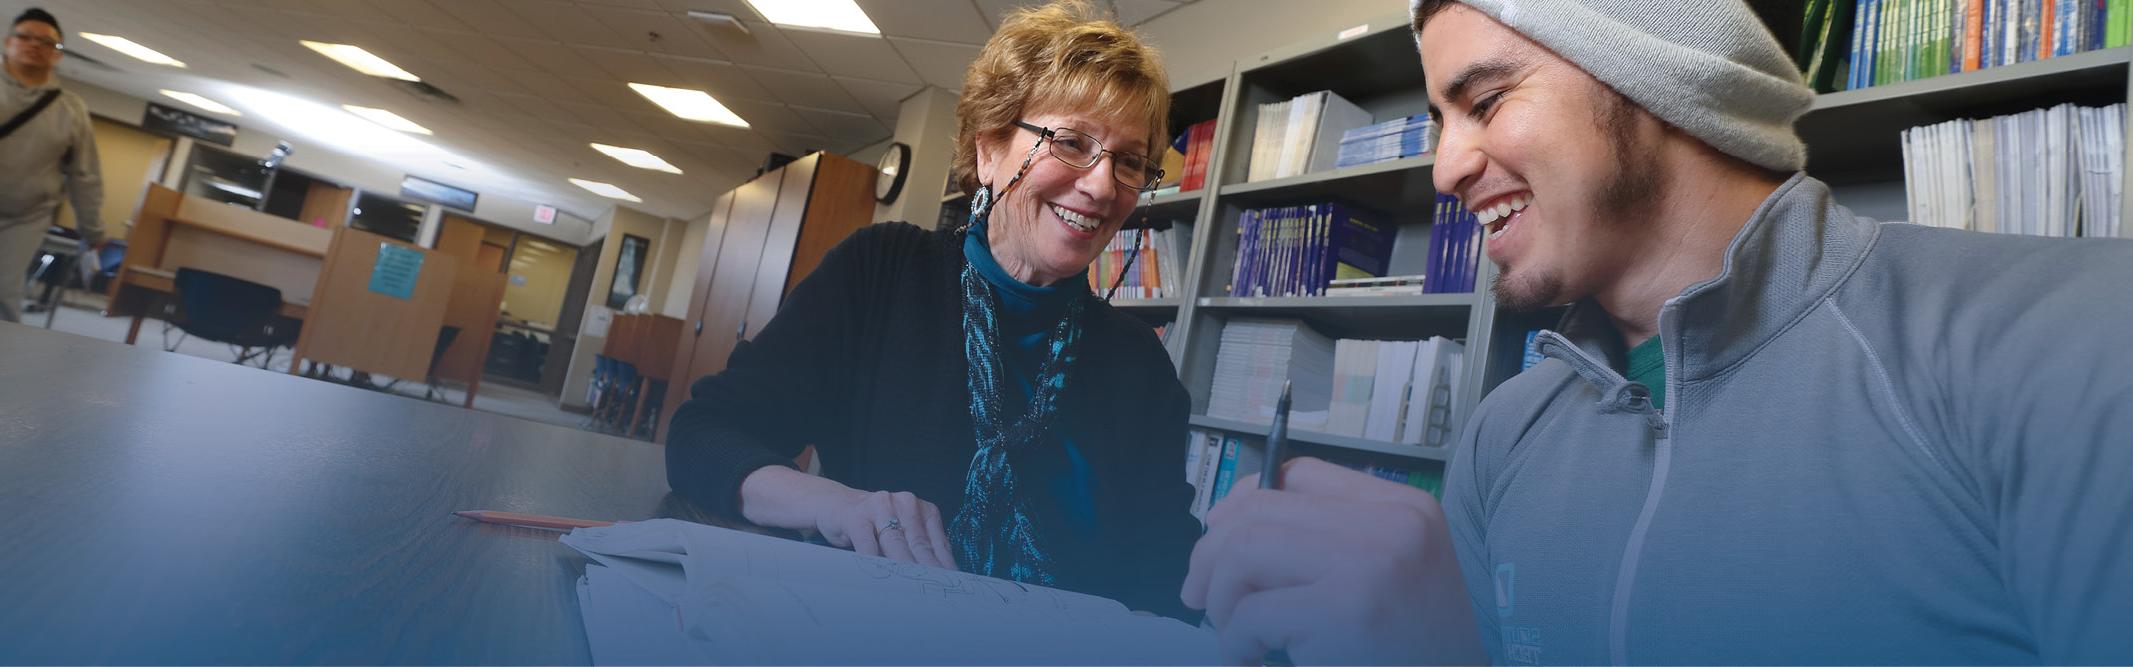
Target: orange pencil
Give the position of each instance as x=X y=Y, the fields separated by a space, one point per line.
x=531 y=520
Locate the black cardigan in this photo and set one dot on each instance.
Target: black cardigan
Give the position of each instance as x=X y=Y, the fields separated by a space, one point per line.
x=865 y=361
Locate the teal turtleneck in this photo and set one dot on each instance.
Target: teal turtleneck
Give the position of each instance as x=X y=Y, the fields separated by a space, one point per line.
x=1026 y=316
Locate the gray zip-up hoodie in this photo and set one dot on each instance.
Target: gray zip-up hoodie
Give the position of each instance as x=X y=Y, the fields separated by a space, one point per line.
x=1882 y=444
x=54 y=152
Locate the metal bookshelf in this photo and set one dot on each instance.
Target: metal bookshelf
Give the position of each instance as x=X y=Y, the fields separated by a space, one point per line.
x=1852 y=137
x=1394 y=449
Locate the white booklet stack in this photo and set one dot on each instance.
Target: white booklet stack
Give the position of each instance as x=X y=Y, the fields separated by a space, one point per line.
x=673 y=592
x=2045 y=172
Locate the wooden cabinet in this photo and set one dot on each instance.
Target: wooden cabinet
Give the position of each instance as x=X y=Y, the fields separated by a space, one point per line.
x=763 y=238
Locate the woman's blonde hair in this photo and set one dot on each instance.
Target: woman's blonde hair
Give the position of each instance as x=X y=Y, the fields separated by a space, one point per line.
x=1063 y=55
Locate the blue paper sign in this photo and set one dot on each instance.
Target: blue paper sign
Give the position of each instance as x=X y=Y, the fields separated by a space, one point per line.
x=396 y=272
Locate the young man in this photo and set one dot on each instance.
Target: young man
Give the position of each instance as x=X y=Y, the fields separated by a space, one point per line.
x=1768 y=432
x=51 y=152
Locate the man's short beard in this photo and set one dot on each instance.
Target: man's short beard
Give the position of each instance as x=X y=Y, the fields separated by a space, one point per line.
x=1624 y=198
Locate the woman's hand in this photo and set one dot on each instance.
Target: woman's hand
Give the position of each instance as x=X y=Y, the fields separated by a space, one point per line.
x=895 y=525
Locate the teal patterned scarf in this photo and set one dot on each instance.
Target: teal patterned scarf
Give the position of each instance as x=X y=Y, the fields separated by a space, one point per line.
x=993 y=534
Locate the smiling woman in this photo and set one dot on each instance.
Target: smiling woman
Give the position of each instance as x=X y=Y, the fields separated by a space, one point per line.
x=973 y=405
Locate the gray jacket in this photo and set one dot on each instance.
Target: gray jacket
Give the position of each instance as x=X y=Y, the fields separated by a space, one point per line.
x=54 y=153
x=1882 y=443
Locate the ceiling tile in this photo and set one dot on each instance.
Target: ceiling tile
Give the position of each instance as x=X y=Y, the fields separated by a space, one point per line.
x=628 y=65
x=763 y=45
x=945 y=20
x=722 y=79
x=771 y=116
x=743 y=141
x=566 y=22
x=612 y=94
x=471 y=74
x=883 y=99
x=602 y=116
x=474 y=47
x=491 y=18
x=654 y=31
x=797 y=143
x=996 y=10
x=422 y=13
x=735 y=7
x=803 y=89
x=854 y=56
x=552 y=57
x=1136 y=12
x=399 y=40
x=846 y=127
x=543 y=84
x=939 y=63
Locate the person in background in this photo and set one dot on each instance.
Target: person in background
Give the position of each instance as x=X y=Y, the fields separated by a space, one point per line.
x=1768 y=432
x=973 y=404
x=51 y=151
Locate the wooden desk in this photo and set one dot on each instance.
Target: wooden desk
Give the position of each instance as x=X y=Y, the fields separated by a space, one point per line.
x=646 y=342
x=167 y=509
x=172 y=231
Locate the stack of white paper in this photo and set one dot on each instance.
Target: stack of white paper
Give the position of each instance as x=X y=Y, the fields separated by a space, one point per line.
x=673 y=592
x=2045 y=172
x=1301 y=134
x=1256 y=356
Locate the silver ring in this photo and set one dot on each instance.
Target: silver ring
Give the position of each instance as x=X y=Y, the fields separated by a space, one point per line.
x=893 y=524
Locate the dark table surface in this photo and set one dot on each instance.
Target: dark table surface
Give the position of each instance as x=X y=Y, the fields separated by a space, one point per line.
x=160 y=508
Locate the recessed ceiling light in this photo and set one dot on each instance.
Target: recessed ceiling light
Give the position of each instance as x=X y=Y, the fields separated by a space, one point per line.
x=605 y=190
x=388 y=119
x=689 y=104
x=132 y=48
x=360 y=60
x=835 y=15
x=637 y=158
x=201 y=102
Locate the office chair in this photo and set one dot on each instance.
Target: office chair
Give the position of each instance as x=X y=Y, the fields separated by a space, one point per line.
x=233 y=311
x=445 y=336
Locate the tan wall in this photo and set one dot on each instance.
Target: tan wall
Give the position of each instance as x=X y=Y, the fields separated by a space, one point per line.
x=131 y=159
x=544 y=268
x=624 y=221
x=682 y=290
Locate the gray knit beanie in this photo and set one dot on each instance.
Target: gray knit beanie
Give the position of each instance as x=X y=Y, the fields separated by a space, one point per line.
x=1708 y=67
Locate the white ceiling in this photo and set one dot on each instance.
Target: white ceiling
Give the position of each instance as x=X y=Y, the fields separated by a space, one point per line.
x=540 y=79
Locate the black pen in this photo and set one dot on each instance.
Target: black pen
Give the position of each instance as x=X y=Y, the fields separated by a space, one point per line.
x=1277 y=442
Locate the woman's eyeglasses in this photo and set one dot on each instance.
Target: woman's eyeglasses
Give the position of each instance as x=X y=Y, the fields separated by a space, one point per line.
x=1079 y=150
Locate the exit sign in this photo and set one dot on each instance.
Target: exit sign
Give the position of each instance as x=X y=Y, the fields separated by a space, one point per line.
x=544 y=214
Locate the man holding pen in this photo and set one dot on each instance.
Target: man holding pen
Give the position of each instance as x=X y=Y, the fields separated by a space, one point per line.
x=1769 y=431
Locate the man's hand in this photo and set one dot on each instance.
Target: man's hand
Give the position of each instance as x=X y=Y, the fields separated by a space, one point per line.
x=1338 y=567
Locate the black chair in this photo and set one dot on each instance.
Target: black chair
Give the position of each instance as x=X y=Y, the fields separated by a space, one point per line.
x=445 y=336
x=233 y=311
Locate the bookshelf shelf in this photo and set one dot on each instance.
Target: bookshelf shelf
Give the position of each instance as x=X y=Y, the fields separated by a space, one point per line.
x=1358 y=316
x=1856 y=135
x=1406 y=177
x=2019 y=80
x=1171 y=303
x=1416 y=452
x=1175 y=206
x=1409 y=301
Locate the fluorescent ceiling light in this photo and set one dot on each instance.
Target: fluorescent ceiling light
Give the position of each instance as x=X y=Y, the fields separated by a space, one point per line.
x=360 y=60
x=837 y=15
x=201 y=102
x=605 y=190
x=390 y=120
x=132 y=48
x=637 y=158
x=689 y=104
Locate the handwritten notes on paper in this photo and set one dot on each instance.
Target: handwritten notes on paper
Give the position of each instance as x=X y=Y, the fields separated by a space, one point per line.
x=752 y=599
